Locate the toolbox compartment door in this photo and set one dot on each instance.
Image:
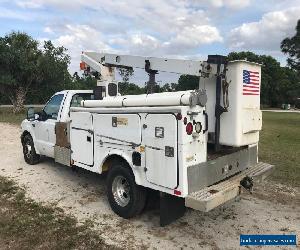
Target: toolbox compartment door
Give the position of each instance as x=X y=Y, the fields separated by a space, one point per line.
x=118 y=130
x=160 y=139
x=82 y=138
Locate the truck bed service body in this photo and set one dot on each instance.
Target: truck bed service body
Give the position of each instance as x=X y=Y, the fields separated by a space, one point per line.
x=196 y=152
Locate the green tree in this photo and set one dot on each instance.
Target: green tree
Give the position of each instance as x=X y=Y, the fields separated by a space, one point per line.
x=187 y=82
x=53 y=73
x=167 y=87
x=126 y=88
x=291 y=89
x=130 y=89
x=126 y=73
x=276 y=81
x=29 y=72
x=83 y=82
x=291 y=46
x=19 y=67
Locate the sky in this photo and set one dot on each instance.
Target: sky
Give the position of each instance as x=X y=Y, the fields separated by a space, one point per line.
x=188 y=29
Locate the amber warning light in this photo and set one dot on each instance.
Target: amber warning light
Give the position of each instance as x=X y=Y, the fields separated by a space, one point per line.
x=82 y=66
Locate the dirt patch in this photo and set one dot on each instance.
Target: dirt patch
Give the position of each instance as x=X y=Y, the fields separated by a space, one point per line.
x=276 y=192
x=82 y=195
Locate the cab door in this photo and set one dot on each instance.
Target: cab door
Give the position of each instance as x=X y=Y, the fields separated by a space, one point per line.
x=45 y=129
x=160 y=139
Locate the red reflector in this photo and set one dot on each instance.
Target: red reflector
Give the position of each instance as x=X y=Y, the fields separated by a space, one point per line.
x=189 y=128
x=179 y=116
x=177 y=192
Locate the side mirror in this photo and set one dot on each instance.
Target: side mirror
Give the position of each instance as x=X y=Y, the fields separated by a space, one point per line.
x=30 y=114
x=42 y=116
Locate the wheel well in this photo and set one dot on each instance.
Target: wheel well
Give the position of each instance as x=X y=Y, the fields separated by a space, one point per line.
x=24 y=134
x=107 y=164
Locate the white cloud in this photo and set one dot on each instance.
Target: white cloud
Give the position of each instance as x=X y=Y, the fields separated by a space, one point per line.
x=236 y=4
x=231 y=4
x=157 y=27
x=164 y=28
x=48 y=30
x=186 y=40
x=77 y=38
x=30 y=4
x=138 y=44
x=133 y=5
x=196 y=35
x=10 y=14
x=157 y=15
x=267 y=33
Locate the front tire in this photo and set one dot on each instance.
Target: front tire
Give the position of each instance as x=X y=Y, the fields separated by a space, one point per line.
x=125 y=197
x=30 y=156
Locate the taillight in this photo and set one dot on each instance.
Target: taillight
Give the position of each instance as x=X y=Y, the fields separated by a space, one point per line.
x=189 y=128
x=177 y=192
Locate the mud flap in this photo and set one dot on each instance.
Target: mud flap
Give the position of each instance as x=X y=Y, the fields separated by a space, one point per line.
x=171 y=208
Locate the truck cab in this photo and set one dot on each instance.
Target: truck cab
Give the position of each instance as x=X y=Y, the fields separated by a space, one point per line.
x=41 y=125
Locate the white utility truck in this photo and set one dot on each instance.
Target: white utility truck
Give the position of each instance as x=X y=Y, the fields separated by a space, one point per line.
x=196 y=147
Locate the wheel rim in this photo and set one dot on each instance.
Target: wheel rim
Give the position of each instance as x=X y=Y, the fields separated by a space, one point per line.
x=121 y=191
x=27 y=149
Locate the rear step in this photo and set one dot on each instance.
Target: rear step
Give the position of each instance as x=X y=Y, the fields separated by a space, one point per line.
x=210 y=197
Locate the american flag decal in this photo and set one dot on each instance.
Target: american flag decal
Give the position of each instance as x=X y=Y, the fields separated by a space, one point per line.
x=250 y=82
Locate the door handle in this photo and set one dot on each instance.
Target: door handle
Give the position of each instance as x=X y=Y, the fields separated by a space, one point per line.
x=89 y=139
x=206 y=121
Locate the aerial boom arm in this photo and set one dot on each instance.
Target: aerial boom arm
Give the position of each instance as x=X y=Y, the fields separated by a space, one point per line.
x=189 y=67
x=215 y=66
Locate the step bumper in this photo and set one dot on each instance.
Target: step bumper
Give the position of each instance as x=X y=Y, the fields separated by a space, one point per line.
x=211 y=197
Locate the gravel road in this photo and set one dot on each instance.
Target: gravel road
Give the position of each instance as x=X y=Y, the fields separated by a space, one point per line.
x=272 y=209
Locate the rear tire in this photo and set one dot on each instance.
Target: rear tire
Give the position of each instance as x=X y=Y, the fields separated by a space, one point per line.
x=125 y=197
x=30 y=156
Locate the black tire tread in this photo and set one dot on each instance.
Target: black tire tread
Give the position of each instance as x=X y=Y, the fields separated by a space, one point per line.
x=139 y=192
x=35 y=158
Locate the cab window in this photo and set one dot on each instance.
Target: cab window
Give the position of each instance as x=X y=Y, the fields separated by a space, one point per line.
x=52 y=107
x=77 y=98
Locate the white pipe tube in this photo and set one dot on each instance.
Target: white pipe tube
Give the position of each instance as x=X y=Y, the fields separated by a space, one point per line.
x=156 y=99
x=111 y=102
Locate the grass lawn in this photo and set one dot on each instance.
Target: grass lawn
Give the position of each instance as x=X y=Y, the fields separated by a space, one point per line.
x=280 y=145
x=6 y=115
x=26 y=224
x=279 y=142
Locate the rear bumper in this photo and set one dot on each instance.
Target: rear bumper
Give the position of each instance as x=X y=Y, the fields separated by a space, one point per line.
x=210 y=172
x=210 y=197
